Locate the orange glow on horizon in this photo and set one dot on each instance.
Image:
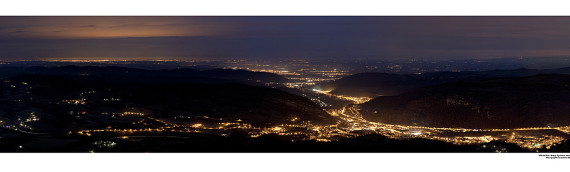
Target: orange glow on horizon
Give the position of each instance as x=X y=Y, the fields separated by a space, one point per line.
x=106 y=27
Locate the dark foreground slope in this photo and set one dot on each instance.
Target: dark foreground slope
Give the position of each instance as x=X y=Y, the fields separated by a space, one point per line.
x=235 y=142
x=66 y=104
x=374 y=84
x=542 y=100
x=273 y=143
x=256 y=105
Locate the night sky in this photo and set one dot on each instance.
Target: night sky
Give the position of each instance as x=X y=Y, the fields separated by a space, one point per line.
x=284 y=37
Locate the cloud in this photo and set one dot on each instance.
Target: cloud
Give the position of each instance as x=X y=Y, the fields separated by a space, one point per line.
x=19 y=31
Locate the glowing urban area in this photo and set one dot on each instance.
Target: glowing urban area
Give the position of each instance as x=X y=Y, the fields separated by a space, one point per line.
x=308 y=78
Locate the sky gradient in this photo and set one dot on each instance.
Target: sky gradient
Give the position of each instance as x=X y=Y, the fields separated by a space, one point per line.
x=284 y=37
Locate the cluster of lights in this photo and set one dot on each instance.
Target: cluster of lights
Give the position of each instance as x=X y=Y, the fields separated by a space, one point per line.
x=111 y=99
x=356 y=100
x=105 y=144
x=132 y=114
x=74 y=101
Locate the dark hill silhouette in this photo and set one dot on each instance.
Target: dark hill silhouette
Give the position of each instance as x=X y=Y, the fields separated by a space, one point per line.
x=375 y=84
x=539 y=100
x=257 y=105
x=231 y=101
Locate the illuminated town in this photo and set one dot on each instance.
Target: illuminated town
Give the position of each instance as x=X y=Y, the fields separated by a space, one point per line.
x=350 y=124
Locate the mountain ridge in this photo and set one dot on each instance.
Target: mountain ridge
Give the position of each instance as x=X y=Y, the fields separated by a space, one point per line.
x=508 y=102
